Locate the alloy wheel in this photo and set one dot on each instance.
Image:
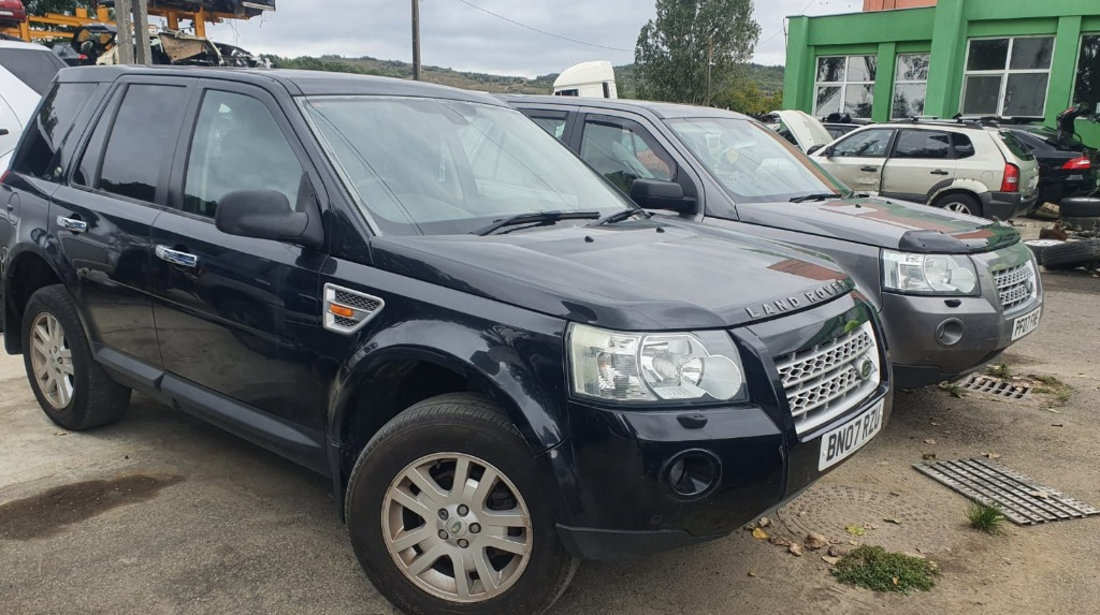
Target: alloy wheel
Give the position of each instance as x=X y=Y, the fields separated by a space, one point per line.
x=52 y=361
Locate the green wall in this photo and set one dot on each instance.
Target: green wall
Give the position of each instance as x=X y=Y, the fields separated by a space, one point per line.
x=943 y=31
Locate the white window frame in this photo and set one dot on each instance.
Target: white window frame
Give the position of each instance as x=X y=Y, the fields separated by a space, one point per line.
x=897 y=82
x=843 y=85
x=1007 y=71
x=1077 y=69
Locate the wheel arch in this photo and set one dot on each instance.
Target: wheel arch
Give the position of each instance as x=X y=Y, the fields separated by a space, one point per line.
x=968 y=187
x=28 y=270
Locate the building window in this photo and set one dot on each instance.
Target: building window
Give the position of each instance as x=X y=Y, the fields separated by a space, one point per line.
x=1007 y=76
x=845 y=84
x=910 y=86
x=1087 y=89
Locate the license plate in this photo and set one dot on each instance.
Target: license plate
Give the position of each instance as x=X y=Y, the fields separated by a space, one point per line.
x=841 y=442
x=1025 y=324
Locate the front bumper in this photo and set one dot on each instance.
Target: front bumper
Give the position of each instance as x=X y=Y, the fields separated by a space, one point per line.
x=613 y=469
x=1007 y=205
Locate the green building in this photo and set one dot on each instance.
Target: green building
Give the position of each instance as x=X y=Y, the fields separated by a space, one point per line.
x=1024 y=58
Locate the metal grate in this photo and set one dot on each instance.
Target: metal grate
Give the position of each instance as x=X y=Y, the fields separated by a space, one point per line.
x=356 y=300
x=996 y=386
x=1021 y=499
x=825 y=381
x=1015 y=285
x=363 y=308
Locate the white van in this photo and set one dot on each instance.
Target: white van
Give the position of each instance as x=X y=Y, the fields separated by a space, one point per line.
x=587 y=79
x=26 y=71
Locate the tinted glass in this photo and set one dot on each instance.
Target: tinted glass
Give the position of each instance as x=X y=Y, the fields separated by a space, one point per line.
x=862 y=68
x=1087 y=88
x=56 y=116
x=34 y=67
x=1018 y=149
x=435 y=167
x=964 y=147
x=237 y=146
x=141 y=141
x=988 y=54
x=927 y=144
x=909 y=100
x=859 y=100
x=866 y=144
x=1031 y=53
x=912 y=67
x=622 y=156
x=753 y=164
x=831 y=69
x=981 y=95
x=1026 y=95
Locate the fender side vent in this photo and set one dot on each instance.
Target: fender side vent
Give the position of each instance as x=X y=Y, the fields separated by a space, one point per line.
x=346 y=310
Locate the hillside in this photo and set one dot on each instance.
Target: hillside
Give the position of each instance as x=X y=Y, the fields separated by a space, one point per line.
x=768 y=78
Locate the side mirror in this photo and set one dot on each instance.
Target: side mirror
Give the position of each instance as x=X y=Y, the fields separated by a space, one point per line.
x=815 y=148
x=266 y=214
x=3 y=132
x=657 y=194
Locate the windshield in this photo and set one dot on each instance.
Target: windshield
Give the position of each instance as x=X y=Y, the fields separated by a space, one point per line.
x=441 y=167
x=754 y=164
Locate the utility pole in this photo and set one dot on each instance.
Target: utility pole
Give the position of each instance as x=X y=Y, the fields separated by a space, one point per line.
x=124 y=20
x=416 y=39
x=710 y=63
x=143 y=54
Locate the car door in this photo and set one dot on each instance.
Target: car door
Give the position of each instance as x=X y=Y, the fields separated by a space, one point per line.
x=858 y=159
x=555 y=122
x=921 y=160
x=103 y=216
x=237 y=316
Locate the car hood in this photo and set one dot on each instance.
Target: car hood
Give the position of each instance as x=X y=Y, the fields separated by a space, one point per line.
x=640 y=275
x=885 y=223
x=805 y=128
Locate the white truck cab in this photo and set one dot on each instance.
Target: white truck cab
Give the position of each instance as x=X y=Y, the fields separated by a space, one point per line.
x=587 y=79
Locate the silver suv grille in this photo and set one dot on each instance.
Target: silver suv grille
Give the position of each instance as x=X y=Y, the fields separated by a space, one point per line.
x=825 y=381
x=1015 y=285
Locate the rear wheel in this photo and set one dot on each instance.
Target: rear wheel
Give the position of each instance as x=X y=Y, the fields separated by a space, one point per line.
x=960 y=203
x=446 y=514
x=72 y=389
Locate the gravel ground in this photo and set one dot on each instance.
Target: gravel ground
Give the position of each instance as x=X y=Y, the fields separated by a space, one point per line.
x=164 y=514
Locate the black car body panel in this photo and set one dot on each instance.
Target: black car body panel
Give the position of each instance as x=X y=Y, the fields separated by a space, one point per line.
x=1054 y=150
x=232 y=329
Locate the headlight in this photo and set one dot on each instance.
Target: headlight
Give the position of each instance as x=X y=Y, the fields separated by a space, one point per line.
x=654 y=367
x=929 y=274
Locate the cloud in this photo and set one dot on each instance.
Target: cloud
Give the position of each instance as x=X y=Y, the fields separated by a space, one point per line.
x=457 y=35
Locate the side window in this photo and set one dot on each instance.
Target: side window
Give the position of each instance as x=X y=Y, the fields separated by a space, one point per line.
x=140 y=142
x=553 y=125
x=866 y=144
x=237 y=146
x=56 y=116
x=623 y=155
x=964 y=147
x=924 y=144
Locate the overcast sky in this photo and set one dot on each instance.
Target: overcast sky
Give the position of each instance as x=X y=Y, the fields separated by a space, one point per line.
x=455 y=34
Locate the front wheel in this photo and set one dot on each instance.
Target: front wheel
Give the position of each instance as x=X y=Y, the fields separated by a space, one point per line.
x=446 y=514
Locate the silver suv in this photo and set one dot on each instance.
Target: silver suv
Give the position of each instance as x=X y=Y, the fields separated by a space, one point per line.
x=963 y=166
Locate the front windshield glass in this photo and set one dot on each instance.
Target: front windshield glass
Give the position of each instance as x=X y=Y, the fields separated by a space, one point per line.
x=441 y=167
x=754 y=164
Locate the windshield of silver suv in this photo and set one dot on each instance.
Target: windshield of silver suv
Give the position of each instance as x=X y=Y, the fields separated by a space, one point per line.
x=439 y=167
x=753 y=163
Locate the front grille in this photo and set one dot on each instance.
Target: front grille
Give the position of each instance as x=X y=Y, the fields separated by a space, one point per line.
x=1015 y=285
x=827 y=380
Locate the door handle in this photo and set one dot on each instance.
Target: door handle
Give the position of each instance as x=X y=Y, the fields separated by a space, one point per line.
x=72 y=224
x=183 y=259
x=940 y=172
x=869 y=169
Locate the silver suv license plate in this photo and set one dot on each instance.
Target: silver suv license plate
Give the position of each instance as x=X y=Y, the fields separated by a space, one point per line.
x=841 y=442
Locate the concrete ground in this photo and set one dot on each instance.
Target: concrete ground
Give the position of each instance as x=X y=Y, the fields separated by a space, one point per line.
x=164 y=514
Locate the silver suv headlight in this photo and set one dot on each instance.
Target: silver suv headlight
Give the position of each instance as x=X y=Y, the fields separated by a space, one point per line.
x=654 y=367
x=929 y=274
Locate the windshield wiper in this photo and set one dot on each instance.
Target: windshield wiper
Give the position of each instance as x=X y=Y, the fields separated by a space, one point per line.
x=819 y=196
x=625 y=214
x=539 y=218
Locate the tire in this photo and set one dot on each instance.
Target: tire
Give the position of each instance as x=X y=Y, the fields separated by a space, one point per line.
x=1038 y=246
x=431 y=437
x=1080 y=207
x=1072 y=254
x=73 y=390
x=960 y=203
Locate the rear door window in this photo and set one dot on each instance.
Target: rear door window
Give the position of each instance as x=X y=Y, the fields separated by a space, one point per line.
x=46 y=131
x=964 y=147
x=34 y=67
x=923 y=144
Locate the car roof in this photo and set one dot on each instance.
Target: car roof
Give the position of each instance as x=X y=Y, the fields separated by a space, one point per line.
x=660 y=109
x=297 y=82
x=22 y=45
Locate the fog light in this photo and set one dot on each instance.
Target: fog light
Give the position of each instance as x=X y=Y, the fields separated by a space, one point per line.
x=950 y=332
x=692 y=473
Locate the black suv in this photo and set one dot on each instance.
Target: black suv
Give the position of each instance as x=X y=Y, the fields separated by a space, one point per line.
x=503 y=365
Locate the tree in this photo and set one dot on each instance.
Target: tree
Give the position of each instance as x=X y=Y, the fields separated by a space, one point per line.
x=744 y=96
x=41 y=7
x=692 y=48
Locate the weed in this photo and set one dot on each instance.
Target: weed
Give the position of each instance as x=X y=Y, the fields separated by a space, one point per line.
x=1053 y=386
x=882 y=571
x=985 y=518
x=999 y=371
x=952 y=388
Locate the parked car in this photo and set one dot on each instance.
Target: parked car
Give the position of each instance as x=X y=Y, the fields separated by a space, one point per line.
x=954 y=290
x=502 y=364
x=12 y=12
x=801 y=129
x=25 y=73
x=840 y=124
x=962 y=166
x=1067 y=167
